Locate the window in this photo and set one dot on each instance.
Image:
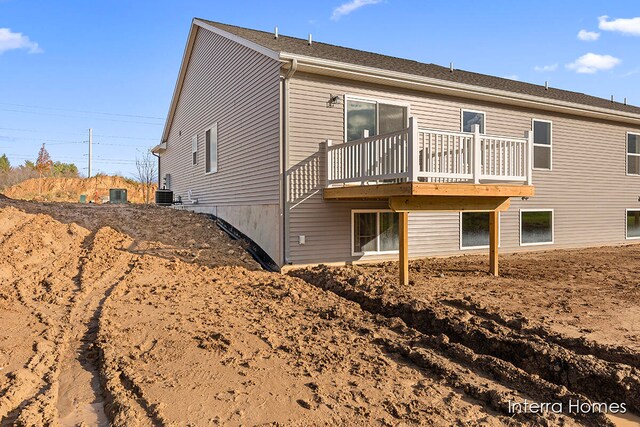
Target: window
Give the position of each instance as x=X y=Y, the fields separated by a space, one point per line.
x=374 y=117
x=633 y=224
x=542 y=135
x=536 y=227
x=374 y=232
x=474 y=230
x=470 y=118
x=211 y=149
x=633 y=154
x=194 y=149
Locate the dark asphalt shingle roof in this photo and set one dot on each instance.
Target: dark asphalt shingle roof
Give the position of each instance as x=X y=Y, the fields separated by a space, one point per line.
x=358 y=57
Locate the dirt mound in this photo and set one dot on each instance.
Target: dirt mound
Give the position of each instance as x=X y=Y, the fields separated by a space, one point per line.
x=96 y=189
x=111 y=317
x=521 y=353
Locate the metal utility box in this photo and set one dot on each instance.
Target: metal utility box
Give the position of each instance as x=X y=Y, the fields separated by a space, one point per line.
x=117 y=195
x=83 y=198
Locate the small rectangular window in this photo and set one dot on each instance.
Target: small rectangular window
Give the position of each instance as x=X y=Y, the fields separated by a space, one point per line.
x=536 y=227
x=211 y=149
x=474 y=230
x=375 y=232
x=373 y=117
x=542 y=137
x=194 y=149
x=470 y=118
x=633 y=224
x=633 y=154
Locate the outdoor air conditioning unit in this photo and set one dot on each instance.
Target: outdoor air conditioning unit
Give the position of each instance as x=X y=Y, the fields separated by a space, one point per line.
x=117 y=195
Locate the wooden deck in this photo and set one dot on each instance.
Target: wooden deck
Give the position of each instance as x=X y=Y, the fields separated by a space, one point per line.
x=426 y=196
x=414 y=189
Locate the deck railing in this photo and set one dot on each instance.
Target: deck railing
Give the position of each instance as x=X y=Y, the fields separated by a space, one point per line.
x=429 y=155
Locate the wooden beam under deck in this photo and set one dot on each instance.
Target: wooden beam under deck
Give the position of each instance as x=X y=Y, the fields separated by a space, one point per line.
x=384 y=191
x=448 y=203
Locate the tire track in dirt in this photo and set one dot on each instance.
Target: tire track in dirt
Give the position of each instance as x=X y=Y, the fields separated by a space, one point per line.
x=584 y=374
x=609 y=353
x=80 y=396
x=33 y=247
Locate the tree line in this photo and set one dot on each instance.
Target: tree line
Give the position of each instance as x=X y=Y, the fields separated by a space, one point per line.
x=44 y=166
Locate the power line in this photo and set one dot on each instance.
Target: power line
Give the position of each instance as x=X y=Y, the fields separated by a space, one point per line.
x=78 y=133
x=82 y=111
x=79 y=117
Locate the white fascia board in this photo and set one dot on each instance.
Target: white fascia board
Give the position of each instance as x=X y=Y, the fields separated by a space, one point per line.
x=463 y=90
x=159 y=148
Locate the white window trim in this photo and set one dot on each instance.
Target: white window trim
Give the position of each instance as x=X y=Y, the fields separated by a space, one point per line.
x=550 y=146
x=484 y=119
x=376 y=101
x=194 y=163
x=553 y=227
x=626 y=229
x=626 y=150
x=469 y=248
x=206 y=147
x=352 y=236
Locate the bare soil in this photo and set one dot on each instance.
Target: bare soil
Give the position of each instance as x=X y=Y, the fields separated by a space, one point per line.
x=138 y=315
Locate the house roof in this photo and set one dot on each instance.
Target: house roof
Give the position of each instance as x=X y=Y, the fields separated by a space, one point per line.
x=330 y=52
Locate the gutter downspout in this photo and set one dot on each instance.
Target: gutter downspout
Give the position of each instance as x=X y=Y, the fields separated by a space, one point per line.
x=158 y=156
x=285 y=159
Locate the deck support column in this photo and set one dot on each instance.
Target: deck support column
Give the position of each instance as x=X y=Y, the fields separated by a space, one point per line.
x=403 y=231
x=494 y=233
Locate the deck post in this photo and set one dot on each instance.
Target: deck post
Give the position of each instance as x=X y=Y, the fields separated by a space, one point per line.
x=328 y=161
x=403 y=264
x=494 y=233
x=412 y=151
x=529 y=156
x=477 y=149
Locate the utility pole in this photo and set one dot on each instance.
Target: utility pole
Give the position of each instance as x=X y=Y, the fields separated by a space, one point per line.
x=90 y=141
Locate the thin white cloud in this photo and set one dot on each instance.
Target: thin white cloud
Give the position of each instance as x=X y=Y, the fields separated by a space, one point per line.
x=546 y=68
x=11 y=41
x=588 y=36
x=629 y=26
x=346 y=8
x=591 y=63
x=512 y=77
x=631 y=73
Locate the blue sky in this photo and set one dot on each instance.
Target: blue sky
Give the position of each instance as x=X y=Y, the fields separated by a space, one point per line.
x=66 y=66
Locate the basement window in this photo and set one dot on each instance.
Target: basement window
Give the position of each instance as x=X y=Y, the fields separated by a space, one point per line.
x=374 y=232
x=474 y=230
x=536 y=227
x=373 y=117
x=542 y=135
x=633 y=154
x=633 y=224
x=469 y=118
x=211 y=149
x=194 y=149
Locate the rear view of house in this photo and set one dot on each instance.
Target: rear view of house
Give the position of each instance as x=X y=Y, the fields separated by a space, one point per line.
x=323 y=154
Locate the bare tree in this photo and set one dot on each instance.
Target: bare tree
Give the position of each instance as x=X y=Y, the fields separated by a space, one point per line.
x=43 y=165
x=147 y=168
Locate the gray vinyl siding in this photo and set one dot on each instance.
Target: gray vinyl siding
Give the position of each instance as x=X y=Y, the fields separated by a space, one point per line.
x=588 y=187
x=237 y=88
